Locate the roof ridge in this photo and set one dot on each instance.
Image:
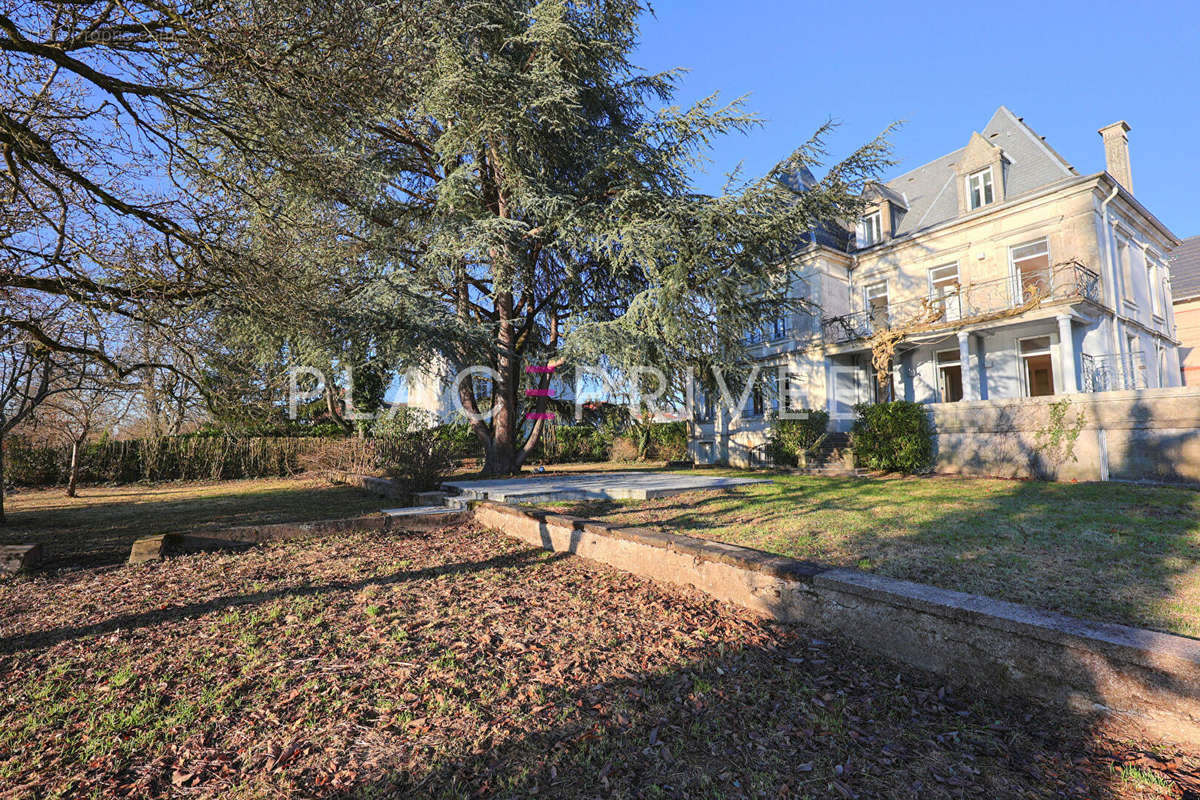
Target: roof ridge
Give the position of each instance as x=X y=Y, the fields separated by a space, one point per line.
x=1037 y=139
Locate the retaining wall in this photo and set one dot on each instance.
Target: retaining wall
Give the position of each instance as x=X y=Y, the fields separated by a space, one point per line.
x=1142 y=677
x=1147 y=435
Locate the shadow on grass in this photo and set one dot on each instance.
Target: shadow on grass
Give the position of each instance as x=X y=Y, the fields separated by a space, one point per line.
x=808 y=718
x=49 y=638
x=97 y=531
x=1111 y=552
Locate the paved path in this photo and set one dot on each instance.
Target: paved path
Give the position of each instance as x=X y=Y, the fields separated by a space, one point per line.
x=594 y=486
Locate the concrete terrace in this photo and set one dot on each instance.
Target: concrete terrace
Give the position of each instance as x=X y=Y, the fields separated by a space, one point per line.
x=593 y=486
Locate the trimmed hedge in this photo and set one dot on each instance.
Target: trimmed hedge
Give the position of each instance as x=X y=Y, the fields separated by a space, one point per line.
x=892 y=437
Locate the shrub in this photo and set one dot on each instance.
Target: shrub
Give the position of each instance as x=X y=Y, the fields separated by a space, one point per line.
x=411 y=451
x=893 y=437
x=461 y=439
x=668 y=441
x=624 y=449
x=792 y=439
x=581 y=443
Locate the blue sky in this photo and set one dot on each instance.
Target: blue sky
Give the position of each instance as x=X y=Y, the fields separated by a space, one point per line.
x=942 y=69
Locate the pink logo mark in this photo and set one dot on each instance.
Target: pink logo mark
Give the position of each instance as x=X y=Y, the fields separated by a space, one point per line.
x=535 y=370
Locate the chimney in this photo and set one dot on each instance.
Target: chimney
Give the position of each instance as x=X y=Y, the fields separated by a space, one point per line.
x=1116 y=153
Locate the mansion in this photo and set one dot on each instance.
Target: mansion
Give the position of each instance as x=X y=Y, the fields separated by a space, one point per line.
x=1002 y=271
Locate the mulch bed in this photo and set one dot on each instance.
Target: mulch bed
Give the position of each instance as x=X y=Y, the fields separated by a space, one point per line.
x=461 y=663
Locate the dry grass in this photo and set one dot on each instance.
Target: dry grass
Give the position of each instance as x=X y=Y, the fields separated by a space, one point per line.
x=461 y=663
x=98 y=527
x=1113 y=552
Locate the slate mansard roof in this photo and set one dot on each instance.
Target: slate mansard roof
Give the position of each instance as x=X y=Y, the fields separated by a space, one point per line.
x=930 y=191
x=1185 y=269
x=928 y=195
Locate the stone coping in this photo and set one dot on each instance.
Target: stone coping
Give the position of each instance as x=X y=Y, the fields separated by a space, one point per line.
x=1138 y=644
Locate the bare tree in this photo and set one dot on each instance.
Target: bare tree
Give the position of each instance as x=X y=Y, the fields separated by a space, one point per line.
x=88 y=401
x=27 y=374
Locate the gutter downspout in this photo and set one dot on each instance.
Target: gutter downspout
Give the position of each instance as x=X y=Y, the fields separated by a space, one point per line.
x=1102 y=434
x=1112 y=267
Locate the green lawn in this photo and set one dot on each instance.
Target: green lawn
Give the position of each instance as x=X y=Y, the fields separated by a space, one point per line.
x=98 y=527
x=1111 y=552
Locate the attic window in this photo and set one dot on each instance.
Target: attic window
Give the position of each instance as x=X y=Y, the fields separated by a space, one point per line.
x=979 y=188
x=870 y=230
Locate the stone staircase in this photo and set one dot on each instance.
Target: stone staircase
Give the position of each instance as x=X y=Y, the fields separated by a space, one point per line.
x=833 y=457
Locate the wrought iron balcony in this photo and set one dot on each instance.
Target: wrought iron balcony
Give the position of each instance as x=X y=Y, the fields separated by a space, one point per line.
x=1113 y=372
x=973 y=302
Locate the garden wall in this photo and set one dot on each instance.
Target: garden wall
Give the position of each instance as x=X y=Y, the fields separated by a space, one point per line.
x=1149 y=679
x=1145 y=435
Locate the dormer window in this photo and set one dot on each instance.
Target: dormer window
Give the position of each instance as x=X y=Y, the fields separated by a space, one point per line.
x=870 y=229
x=980 y=190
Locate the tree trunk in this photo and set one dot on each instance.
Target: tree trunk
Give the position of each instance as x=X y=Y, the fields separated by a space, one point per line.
x=73 y=480
x=2 y=520
x=502 y=452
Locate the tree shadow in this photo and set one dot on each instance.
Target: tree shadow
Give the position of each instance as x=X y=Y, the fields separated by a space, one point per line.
x=1111 y=552
x=49 y=638
x=799 y=717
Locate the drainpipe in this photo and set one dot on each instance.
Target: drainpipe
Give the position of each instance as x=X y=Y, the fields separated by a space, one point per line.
x=1112 y=267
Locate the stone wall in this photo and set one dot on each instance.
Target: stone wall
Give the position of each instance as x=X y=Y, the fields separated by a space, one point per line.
x=1146 y=435
x=1149 y=679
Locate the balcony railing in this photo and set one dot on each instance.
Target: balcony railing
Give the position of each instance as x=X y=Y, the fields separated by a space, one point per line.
x=962 y=303
x=1113 y=372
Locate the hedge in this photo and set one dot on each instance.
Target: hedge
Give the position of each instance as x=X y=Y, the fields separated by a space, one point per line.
x=179 y=458
x=892 y=437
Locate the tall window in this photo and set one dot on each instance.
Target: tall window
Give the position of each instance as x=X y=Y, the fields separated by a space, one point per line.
x=980 y=191
x=1031 y=269
x=944 y=290
x=1155 y=287
x=876 y=295
x=1038 y=366
x=779 y=327
x=1125 y=265
x=950 y=377
x=870 y=230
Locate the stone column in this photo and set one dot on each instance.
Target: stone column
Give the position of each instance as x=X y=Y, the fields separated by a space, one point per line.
x=1066 y=354
x=964 y=360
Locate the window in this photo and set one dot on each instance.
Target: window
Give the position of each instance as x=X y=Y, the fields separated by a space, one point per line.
x=870 y=230
x=1031 y=269
x=950 y=378
x=1125 y=265
x=779 y=327
x=1155 y=288
x=979 y=188
x=1037 y=366
x=876 y=296
x=793 y=393
x=944 y=290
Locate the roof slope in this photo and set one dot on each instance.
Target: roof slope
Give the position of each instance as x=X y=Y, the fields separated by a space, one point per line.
x=930 y=192
x=1185 y=269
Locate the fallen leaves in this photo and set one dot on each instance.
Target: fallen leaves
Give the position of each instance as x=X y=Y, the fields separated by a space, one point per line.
x=491 y=669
